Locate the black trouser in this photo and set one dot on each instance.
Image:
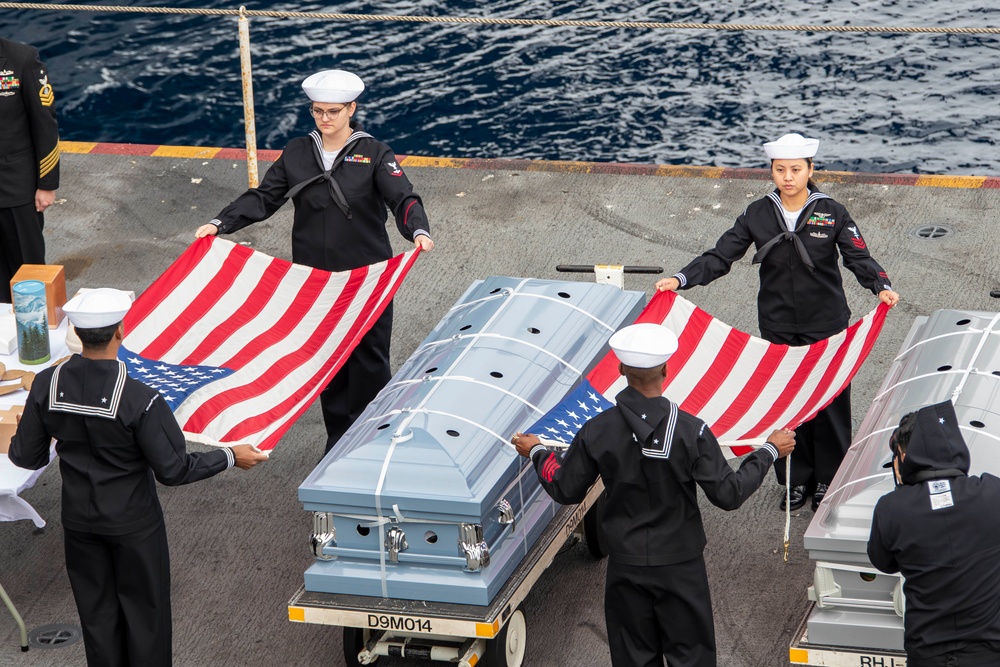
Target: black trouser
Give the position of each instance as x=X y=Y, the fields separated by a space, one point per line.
x=122 y=588
x=657 y=612
x=974 y=655
x=822 y=442
x=361 y=378
x=21 y=242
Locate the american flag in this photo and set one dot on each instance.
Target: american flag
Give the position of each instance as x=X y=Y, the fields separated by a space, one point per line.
x=239 y=344
x=741 y=386
x=560 y=424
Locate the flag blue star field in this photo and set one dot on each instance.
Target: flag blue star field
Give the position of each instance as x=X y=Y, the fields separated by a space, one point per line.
x=239 y=344
x=174 y=382
x=561 y=423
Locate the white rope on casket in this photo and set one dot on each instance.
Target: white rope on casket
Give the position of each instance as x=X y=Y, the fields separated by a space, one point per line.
x=851 y=568
x=954 y=371
x=965 y=373
x=833 y=492
x=562 y=302
x=489 y=297
x=511 y=339
x=966 y=332
x=398 y=436
x=975 y=357
x=461 y=378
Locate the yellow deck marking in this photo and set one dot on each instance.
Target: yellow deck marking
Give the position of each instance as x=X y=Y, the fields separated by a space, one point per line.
x=421 y=161
x=564 y=167
x=951 y=181
x=296 y=614
x=685 y=171
x=77 y=146
x=185 y=151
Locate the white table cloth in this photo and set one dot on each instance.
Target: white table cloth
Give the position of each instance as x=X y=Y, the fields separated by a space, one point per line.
x=14 y=480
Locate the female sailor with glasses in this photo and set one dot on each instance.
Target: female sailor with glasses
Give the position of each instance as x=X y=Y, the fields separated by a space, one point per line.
x=341 y=180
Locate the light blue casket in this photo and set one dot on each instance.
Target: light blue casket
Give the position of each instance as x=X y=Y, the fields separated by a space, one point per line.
x=952 y=354
x=424 y=498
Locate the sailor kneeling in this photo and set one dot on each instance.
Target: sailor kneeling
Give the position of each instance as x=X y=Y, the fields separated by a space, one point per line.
x=940 y=529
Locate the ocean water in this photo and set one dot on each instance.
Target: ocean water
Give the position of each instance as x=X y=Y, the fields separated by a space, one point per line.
x=881 y=103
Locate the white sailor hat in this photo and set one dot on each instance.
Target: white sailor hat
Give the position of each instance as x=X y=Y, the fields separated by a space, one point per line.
x=333 y=86
x=97 y=308
x=644 y=345
x=791 y=147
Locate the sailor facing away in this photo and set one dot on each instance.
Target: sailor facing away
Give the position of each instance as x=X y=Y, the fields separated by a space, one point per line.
x=651 y=455
x=115 y=438
x=800 y=235
x=940 y=529
x=341 y=180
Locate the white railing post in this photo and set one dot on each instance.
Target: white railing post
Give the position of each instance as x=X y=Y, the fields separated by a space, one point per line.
x=248 y=116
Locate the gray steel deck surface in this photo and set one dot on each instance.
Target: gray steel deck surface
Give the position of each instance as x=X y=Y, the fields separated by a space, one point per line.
x=238 y=542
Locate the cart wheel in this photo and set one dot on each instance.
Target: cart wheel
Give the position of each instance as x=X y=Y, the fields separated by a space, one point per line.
x=507 y=649
x=591 y=528
x=355 y=640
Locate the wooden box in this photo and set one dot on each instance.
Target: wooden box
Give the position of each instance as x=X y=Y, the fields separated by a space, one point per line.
x=55 y=287
x=8 y=425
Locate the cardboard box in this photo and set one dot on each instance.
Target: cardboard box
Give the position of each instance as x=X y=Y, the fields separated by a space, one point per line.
x=55 y=287
x=8 y=425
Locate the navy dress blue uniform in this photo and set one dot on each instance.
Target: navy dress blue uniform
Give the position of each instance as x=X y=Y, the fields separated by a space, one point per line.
x=801 y=301
x=115 y=438
x=339 y=224
x=29 y=157
x=940 y=529
x=652 y=457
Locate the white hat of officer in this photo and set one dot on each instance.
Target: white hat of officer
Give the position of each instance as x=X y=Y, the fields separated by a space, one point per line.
x=97 y=308
x=644 y=345
x=333 y=86
x=791 y=147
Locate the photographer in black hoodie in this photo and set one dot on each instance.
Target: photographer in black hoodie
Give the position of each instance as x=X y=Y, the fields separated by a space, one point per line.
x=940 y=529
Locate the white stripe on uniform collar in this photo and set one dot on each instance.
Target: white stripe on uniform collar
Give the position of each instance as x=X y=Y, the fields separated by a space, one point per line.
x=318 y=138
x=813 y=196
x=110 y=412
x=663 y=452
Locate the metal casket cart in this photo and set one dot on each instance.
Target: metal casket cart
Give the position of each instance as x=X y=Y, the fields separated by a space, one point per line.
x=428 y=528
x=856 y=613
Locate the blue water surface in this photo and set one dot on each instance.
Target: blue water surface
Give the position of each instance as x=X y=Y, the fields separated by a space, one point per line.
x=883 y=103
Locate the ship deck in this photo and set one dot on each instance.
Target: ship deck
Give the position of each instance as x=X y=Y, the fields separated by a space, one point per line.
x=239 y=542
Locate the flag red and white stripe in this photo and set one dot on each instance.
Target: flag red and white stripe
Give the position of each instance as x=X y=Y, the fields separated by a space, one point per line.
x=284 y=329
x=741 y=386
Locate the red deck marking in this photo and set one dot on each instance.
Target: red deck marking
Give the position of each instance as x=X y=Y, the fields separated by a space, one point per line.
x=686 y=171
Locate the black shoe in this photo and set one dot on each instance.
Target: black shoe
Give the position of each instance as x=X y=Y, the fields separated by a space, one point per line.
x=797 y=496
x=819 y=494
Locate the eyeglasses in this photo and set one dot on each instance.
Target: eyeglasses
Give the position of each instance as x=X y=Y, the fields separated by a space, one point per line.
x=326 y=113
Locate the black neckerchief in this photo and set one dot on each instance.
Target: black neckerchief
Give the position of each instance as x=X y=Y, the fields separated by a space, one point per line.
x=792 y=236
x=652 y=421
x=335 y=190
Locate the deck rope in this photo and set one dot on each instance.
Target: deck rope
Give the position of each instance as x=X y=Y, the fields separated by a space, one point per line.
x=499 y=21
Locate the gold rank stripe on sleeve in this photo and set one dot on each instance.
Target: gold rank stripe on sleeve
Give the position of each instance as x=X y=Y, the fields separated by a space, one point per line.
x=48 y=162
x=45 y=94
